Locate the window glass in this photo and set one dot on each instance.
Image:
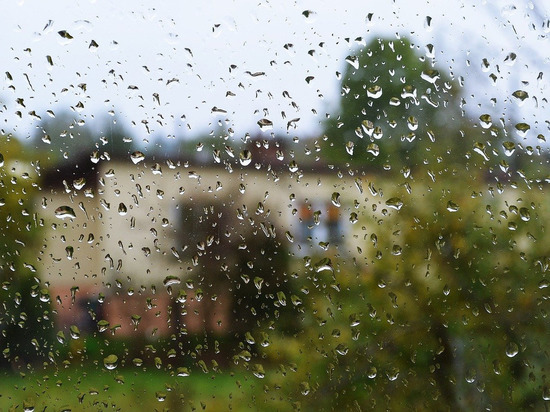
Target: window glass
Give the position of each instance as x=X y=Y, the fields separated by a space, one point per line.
x=264 y=206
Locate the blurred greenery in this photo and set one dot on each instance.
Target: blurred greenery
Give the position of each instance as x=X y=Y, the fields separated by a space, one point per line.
x=447 y=310
x=26 y=322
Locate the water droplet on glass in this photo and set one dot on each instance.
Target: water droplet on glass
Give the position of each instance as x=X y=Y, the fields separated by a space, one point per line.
x=512 y=349
x=520 y=96
x=412 y=123
x=102 y=325
x=63 y=212
x=452 y=206
x=373 y=149
x=509 y=148
x=293 y=166
x=171 y=280
x=371 y=373
x=394 y=203
x=374 y=92
x=74 y=332
x=258 y=371
x=342 y=349
x=323 y=264
x=431 y=76
x=265 y=124
x=110 y=362
x=336 y=199
x=245 y=157
x=522 y=129
x=122 y=210
x=353 y=61
x=486 y=121
x=137 y=157
x=524 y=214
x=479 y=148
x=304 y=388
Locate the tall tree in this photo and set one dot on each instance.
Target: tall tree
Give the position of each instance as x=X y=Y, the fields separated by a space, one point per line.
x=394 y=104
x=25 y=320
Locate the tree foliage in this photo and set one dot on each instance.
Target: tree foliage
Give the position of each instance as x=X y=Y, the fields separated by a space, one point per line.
x=25 y=320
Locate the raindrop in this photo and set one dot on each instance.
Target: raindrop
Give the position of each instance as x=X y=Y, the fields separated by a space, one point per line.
x=486 y=121
x=511 y=349
x=110 y=362
x=171 y=280
x=431 y=76
x=323 y=264
x=137 y=157
x=524 y=214
x=373 y=149
x=374 y=92
x=509 y=148
x=353 y=61
x=392 y=374
x=336 y=199
x=342 y=349
x=520 y=96
x=394 y=203
x=122 y=210
x=522 y=129
x=63 y=212
x=371 y=373
x=452 y=206
x=102 y=325
x=79 y=183
x=245 y=157
x=74 y=332
x=293 y=166
x=412 y=123
x=265 y=124
x=479 y=148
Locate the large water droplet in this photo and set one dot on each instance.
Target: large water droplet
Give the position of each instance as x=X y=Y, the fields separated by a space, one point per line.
x=394 y=203
x=265 y=124
x=509 y=148
x=520 y=96
x=374 y=92
x=110 y=362
x=245 y=157
x=512 y=349
x=336 y=199
x=452 y=206
x=486 y=121
x=63 y=212
x=171 y=280
x=137 y=157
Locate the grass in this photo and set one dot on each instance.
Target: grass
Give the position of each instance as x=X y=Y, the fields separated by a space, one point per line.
x=99 y=389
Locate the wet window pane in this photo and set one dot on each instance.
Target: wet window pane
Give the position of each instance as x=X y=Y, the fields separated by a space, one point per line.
x=267 y=207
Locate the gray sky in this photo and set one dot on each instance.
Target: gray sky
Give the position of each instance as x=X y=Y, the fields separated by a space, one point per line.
x=182 y=51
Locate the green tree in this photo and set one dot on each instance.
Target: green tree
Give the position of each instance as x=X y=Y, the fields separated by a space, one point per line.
x=26 y=322
x=395 y=103
x=446 y=310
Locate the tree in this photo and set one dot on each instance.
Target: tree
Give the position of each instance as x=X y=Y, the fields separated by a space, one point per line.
x=26 y=322
x=395 y=103
x=445 y=311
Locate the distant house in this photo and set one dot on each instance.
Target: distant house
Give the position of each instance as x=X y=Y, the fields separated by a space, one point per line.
x=120 y=234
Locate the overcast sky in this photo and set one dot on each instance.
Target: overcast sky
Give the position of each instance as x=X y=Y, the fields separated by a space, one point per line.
x=171 y=63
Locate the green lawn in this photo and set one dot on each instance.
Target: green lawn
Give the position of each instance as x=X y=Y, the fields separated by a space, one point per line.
x=130 y=388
